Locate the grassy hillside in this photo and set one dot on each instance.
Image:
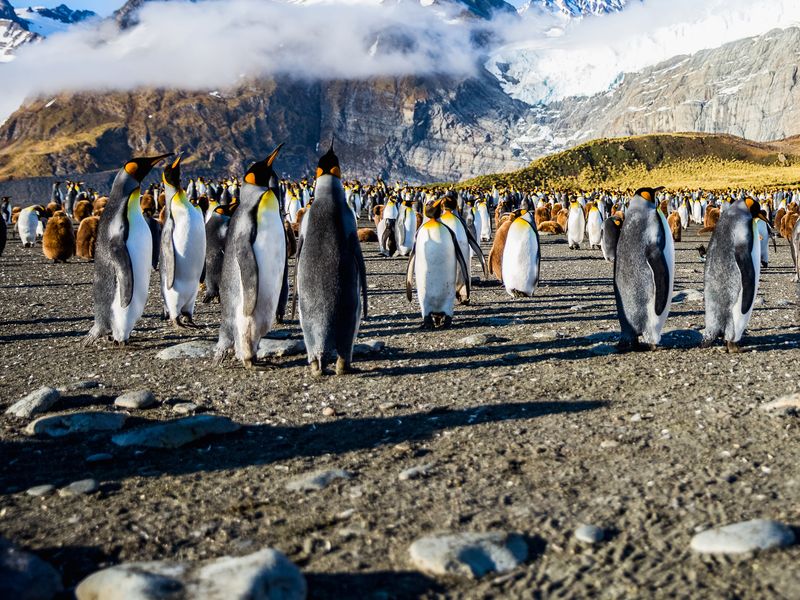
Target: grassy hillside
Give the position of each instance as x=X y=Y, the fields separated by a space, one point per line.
x=683 y=160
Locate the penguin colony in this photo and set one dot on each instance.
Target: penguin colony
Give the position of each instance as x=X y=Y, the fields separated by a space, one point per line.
x=235 y=238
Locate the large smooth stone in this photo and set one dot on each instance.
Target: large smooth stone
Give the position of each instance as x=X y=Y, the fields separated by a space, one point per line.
x=24 y=576
x=74 y=423
x=193 y=349
x=177 y=433
x=469 y=554
x=34 y=403
x=759 y=534
x=318 y=480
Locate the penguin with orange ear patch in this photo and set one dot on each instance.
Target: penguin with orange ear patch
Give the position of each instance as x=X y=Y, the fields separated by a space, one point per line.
x=58 y=241
x=521 y=257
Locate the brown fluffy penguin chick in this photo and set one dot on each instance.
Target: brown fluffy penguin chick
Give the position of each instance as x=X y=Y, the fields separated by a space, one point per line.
x=541 y=215
x=562 y=218
x=51 y=208
x=366 y=234
x=82 y=210
x=787 y=225
x=99 y=206
x=674 y=221
x=298 y=220
x=291 y=240
x=555 y=210
x=377 y=214
x=15 y=210
x=58 y=242
x=549 y=228
x=498 y=246
x=712 y=216
x=87 y=238
x=148 y=204
x=664 y=208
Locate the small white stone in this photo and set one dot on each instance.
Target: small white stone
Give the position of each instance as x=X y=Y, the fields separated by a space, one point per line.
x=589 y=534
x=316 y=480
x=79 y=488
x=742 y=537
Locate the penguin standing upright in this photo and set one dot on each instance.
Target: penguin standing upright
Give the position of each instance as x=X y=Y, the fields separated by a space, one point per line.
x=644 y=269
x=794 y=245
x=466 y=242
x=437 y=261
x=183 y=250
x=387 y=237
x=123 y=255
x=72 y=197
x=216 y=234
x=58 y=241
x=608 y=242
x=3 y=234
x=576 y=225
x=86 y=238
x=733 y=267
x=253 y=266
x=482 y=216
x=521 y=258
x=594 y=226
x=331 y=278
x=405 y=228
x=28 y=224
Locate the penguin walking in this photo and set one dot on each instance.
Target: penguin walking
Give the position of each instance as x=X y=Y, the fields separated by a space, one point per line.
x=28 y=224
x=644 y=269
x=733 y=268
x=183 y=250
x=437 y=261
x=521 y=258
x=123 y=255
x=576 y=225
x=794 y=245
x=58 y=241
x=216 y=234
x=610 y=237
x=405 y=228
x=331 y=278
x=253 y=266
x=594 y=226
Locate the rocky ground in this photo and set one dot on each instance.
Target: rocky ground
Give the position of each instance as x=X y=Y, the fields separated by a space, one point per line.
x=534 y=426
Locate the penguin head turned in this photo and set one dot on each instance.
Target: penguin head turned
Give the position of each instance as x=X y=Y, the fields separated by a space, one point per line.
x=261 y=174
x=172 y=173
x=329 y=164
x=433 y=210
x=753 y=206
x=138 y=168
x=648 y=194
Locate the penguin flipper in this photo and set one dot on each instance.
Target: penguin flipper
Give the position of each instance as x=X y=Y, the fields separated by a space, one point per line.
x=658 y=264
x=123 y=269
x=248 y=271
x=167 y=257
x=462 y=263
x=410 y=271
x=744 y=260
x=362 y=273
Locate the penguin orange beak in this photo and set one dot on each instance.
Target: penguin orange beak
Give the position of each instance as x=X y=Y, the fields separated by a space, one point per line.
x=177 y=160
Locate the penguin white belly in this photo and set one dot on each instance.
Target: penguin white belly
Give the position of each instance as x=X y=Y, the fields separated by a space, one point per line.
x=435 y=270
x=270 y=251
x=576 y=225
x=739 y=319
x=409 y=229
x=594 y=226
x=478 y=222
x=655 y=322
x=140 y=250
x=683 y=213
x=189 y=243
x=26 y=226
x=521 y=259
x=39 y=229
x=763 y=239
x=455 y=225
x=294 y=207
x=381 y=228
x=390 y=211
x=486 y=230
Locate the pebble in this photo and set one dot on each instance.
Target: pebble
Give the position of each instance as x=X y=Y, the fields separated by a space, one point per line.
x=329 y=411
x=469 y=554
x=589 y=534
x=25 y=576
x=79 y=488
x=278 y=348
x=785 y=405
x=783 y=302
x=577 y=308
x=636 y=418
x=69 y=424
x=184 y=408
x=77 y=386
x=687 y=295
x=316 y=480
x=387 y=406
x=176 y=433
x=264 y=575
x=136 y=400
x=193 y=349
x=368 y=347
x=41 y=490
x=545 y=336
x=746 y=536
x=759 y=301
x=34 y=403
x=477 y=340
x=416 y=472
x=609 y=444
x=102 y=457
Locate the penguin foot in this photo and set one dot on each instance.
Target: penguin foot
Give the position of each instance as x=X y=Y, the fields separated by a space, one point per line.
x=427 y=323
x=188 y=322
x=733 y=348
x=121 y=343
x=178 y=324
x=317 y=369
x=256 y=364
x=518 y=294
x=707 y=343
x=343 y=367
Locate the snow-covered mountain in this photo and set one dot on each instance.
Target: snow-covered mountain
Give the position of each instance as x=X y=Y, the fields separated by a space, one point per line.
x=576 y=8
x=19 y=26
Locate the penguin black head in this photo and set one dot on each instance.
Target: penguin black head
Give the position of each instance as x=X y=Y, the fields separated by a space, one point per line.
x=329 y=164
x=648 y=194
x=138 y=168
x=433 y=210
x=172 y=173
x=450 y=202
x=754 y=206
x=261 y=173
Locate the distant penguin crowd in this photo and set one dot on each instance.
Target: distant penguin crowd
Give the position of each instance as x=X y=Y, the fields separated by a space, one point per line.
x=232 y=239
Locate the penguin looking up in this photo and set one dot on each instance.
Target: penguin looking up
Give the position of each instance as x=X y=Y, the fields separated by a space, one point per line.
x=732 y=271
x=331 y=278
x=183 y=250
x=123 y=255
x=254 y=265
x=644 y=269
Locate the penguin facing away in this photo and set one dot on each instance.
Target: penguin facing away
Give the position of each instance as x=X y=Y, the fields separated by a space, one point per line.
x=216 y=234
x=253 y=266
x=123 y=255
x=331 y=277
x=183 y=250
x=732 y=271
x=610 y=237
x=644 y=269
x=466 y=242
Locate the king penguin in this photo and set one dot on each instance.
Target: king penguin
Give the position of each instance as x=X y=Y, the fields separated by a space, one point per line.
x=594 y=226
x=466 y=242
x=733 y=267
x=610 y=237
x=331 y=278
x=576 y=225
x=123 y=255
x=405 y=228
x=644 y=269
x=216 y=234
x=253 y=267
x=521 y=258
x=183 y=250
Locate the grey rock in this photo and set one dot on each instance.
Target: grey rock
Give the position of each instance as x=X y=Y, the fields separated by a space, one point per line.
x=477 y=340
x=193 y=349
x=368 y=347
x=136 y=400
x=41 y=490
x=759 y=301
x=25 y=576
x=102 y=457
x=590 y=534
x=264 y=575
x=746 y=536
x=416 y=472
x=184 y=408
x=173 y=434
x=78 y=386
x=279 y=334
x=34 y=403
x=277 y=348
x=316 y=480
x=469 y=554
x=687 y=295
x=785 y=405
x=70 y=424
x=79 y=488
x=545 y=336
